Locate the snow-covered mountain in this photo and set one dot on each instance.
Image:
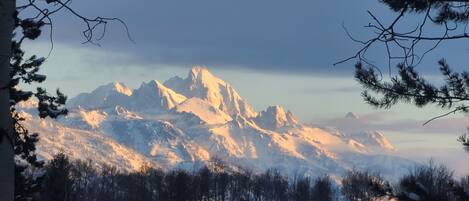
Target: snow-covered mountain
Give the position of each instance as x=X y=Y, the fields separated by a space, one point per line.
x=188 y=121
x=202 y=84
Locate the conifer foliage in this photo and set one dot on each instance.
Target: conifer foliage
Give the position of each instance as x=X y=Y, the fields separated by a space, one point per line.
x=407 y=49
x=26 y=71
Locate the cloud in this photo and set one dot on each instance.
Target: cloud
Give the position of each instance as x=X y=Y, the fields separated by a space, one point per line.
x=341 y=90
x=278 y=36
x=381 y=121
x=274 y=36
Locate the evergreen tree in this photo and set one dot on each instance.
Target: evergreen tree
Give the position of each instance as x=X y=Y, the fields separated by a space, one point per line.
x=27 y=166
x=14 y=70
x=407 y=49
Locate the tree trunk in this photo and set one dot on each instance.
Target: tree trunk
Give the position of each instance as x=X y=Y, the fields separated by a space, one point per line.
x=7 y=8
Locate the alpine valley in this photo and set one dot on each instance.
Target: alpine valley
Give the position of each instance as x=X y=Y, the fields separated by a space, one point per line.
x=190 y=122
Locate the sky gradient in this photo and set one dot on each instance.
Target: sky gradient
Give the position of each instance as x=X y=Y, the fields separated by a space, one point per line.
x=273 y=52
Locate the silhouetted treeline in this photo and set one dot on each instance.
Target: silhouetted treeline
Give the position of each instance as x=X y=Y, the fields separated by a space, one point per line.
x=67 y=180
x=423 y=183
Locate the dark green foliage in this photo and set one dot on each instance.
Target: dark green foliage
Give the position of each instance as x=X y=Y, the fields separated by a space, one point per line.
x=50 y=106
x=31 y=28
x=410 y=87
x=408 y=49
x=25 y=71
x=446 y=11
x=27 y=182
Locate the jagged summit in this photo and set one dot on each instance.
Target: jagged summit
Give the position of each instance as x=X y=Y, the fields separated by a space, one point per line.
x=113 y=87
x=352 y=115
x=187 y=121
x=108 y=95
x=202 y=84
x=209 y=91
x=154 y=95
x=199 y=83
x=275 y=117
x=201 y=73
x=121 y=88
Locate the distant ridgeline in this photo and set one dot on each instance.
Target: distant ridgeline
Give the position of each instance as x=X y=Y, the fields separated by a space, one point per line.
x=187 y=122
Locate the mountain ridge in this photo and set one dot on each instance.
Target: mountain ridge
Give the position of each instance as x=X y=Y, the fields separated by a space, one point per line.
x=187 y=121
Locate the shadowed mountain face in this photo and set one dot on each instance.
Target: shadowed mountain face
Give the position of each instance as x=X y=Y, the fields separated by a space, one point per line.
x=188 y=121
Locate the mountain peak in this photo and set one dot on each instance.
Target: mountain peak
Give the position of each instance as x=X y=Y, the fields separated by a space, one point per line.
x=199 y=70
x=112 y=88
x=155 y=94
x=185 y=121
x=275 y=117
x=152 y=85
x=352 y=115
x=292 y=118
x=108 y=95
x=201 y=83
x=155 y=82
x=276 y=109
x=121 y=88
x=200 y=75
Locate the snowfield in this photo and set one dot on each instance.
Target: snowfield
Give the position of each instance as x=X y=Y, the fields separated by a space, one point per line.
x=186 y=122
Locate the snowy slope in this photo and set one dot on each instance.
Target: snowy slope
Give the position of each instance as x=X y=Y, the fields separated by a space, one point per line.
x=275 y=117
x=205 y=111
x=187 y=122
x=202 y=84
x=111 y=94
x=155 y=96
x=84 y=145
